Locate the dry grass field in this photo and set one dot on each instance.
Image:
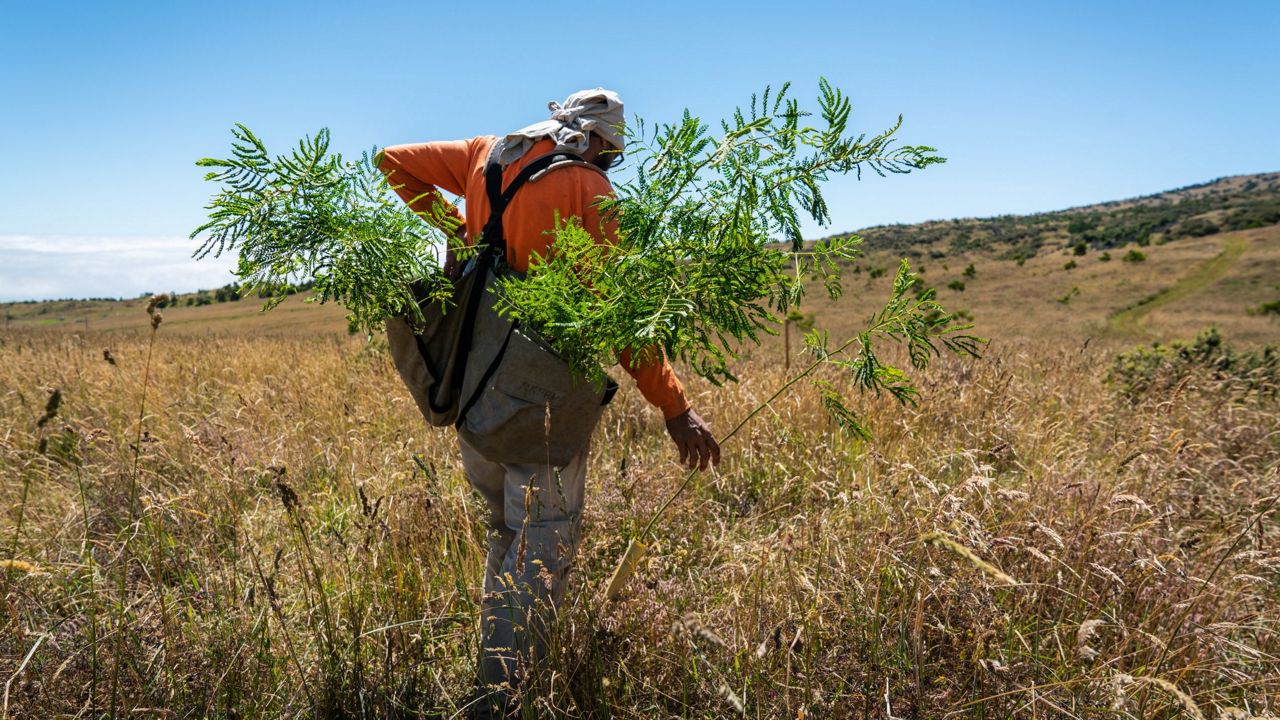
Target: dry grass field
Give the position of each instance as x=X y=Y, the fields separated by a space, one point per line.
x=249 y=519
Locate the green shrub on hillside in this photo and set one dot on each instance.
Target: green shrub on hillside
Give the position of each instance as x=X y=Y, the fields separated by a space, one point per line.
x=970 y=272
x=1134 y=256
x=1080 y=248
x=1197 y=227
x=1104 y=257
x=957 y=285
x=1142 y=369
x=1019 y=254
x=1071 y=265
x=964 y=241
x=1254 y=215
x=1082 y=224
x=801 y=320
x=1271 y=308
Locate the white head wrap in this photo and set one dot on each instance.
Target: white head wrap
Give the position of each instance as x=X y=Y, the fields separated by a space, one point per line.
x=598 y=111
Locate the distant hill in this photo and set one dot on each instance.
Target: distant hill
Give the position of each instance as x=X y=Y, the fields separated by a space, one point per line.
x=1240 y=202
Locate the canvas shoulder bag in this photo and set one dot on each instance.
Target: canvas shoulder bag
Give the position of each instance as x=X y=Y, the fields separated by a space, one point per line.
x=511 y=397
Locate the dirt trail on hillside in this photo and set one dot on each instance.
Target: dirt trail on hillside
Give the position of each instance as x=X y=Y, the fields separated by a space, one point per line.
x=1129 y=320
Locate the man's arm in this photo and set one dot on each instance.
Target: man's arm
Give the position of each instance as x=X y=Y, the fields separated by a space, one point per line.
x=419 y=171
x=423 y=167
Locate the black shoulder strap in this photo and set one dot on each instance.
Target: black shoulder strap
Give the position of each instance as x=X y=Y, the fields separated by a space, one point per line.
x=494 y=235
x=494 y=254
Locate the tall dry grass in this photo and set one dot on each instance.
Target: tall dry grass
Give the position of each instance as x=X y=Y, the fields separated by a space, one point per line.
x=293 y=542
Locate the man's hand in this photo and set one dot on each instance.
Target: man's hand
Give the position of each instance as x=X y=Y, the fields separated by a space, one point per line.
x=692 y=435
x=452 y=268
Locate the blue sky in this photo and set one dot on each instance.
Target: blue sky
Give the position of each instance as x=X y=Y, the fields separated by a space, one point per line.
x=1037 y=106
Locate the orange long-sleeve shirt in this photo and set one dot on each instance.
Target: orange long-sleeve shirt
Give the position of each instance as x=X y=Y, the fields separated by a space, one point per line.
x=419 y=171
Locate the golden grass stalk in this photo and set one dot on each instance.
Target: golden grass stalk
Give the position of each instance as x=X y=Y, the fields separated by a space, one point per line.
x=940 y=540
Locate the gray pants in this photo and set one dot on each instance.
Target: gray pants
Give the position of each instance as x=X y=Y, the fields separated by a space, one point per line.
x=534 y=520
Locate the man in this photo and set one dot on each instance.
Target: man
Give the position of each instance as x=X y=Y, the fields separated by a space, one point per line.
x=534 y=511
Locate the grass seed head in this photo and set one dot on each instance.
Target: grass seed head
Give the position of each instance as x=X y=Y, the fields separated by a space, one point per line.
x=1188 y=704
x=50 y=407
x=288 y=497
x=153 y=309
x=1084 y=635
x=695 y=628
x=21 y=566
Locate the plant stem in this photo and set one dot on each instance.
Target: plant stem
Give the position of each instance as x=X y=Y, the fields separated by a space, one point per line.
x=122 y=586
x=87 y=556
x=758 y=409
x=17 y=530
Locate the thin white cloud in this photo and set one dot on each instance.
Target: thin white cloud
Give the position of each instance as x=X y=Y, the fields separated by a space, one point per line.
x=42 y=267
